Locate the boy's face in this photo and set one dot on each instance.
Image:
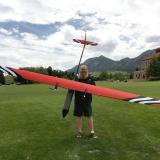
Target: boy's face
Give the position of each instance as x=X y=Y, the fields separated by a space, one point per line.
x=84 y=72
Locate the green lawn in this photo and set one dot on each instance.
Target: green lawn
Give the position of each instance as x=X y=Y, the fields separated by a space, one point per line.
x=32 y=128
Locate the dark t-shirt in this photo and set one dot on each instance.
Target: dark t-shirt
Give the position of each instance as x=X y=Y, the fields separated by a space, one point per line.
x=82 y=97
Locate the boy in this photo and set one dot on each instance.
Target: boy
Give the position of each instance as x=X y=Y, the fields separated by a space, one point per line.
x=82 y=103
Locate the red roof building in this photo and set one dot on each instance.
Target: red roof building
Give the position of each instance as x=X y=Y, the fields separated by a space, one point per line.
x=141 y=74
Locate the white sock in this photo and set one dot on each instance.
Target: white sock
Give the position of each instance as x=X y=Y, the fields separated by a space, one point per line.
x=92 y=131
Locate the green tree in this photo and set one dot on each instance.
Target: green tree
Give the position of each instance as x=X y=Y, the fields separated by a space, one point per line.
x=154 y=68
x=49 y=70
x=2 y=79
x=103 y=76
x=131 y=75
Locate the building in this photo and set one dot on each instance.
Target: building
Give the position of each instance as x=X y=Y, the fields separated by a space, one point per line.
x=140 y=75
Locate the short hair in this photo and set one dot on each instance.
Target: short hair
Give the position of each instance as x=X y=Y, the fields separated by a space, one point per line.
x=83 y=67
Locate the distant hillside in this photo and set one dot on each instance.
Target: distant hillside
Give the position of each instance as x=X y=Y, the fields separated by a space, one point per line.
x=103 y=63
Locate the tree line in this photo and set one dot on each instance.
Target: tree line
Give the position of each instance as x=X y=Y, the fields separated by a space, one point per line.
x=115 y=76
x=47 y=71
x=153 y=71
x=70 y=75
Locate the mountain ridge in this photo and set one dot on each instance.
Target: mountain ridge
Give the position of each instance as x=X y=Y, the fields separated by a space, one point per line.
x=102 y=63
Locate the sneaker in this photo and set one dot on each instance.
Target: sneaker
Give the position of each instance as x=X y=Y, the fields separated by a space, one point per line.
x=79 y=135
x=93 y=135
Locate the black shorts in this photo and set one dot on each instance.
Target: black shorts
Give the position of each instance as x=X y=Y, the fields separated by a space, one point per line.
x=83 y=110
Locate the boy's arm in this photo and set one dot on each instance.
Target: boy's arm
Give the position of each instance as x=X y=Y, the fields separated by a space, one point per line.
x=92 y=82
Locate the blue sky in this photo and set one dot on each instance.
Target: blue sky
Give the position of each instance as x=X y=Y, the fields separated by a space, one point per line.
x=36 y=33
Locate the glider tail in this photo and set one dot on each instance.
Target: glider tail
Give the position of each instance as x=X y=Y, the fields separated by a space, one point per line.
x=67 y=103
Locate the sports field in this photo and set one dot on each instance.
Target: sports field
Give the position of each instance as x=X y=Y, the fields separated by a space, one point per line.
x=32 y=128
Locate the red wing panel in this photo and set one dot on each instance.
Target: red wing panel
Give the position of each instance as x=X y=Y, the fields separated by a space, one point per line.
x=77 y=86
x=73 y=85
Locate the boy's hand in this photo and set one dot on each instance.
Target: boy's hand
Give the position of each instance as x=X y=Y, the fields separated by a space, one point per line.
x=77 y=75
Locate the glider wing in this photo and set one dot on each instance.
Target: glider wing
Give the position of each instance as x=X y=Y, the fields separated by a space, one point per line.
x=85 y=42
x=86 y=88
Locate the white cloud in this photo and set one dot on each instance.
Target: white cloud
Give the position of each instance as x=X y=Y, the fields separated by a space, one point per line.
x=32 y=51
x=121 y=27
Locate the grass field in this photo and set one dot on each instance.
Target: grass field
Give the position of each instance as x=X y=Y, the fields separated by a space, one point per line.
x=32 y=128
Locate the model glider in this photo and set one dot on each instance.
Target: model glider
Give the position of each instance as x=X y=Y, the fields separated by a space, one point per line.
x=69 y=96
x=85 y=42
x=86 y=88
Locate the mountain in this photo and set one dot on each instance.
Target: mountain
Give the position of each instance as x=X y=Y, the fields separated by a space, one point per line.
x=103 y=63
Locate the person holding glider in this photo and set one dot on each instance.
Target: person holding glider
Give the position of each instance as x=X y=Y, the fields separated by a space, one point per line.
x=69 y=95
x=82 y=103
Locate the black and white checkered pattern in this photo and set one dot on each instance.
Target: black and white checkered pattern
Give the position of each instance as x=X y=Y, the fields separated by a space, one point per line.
x=144 y=100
